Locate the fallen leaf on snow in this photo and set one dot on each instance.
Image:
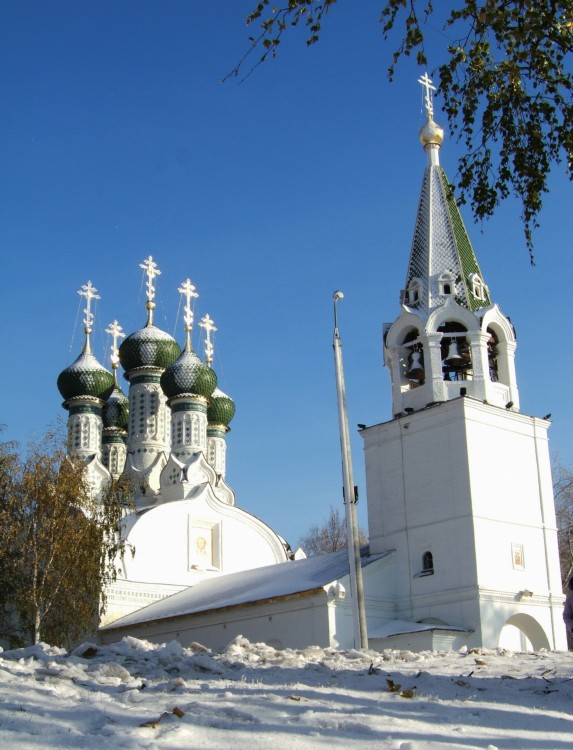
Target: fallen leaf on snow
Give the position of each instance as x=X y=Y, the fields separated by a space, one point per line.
x=392 y=686
x=408 y=693
x=153 y=723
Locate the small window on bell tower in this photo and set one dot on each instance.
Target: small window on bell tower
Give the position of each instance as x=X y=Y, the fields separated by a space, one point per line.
x=446 y=284
x=413 y=291
x=477 y=286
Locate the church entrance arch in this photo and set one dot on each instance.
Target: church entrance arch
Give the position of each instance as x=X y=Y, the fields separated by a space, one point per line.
x=522 y=632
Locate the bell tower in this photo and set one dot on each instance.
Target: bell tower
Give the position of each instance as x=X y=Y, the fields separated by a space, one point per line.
x=449 y=339
x=459 y=481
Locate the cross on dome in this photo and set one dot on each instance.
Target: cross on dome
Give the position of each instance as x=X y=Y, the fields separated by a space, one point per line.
x=426 y=82
x=116 y=332
x=89 y=292
x=209 y=328
x=150 y=268
x=187 y=289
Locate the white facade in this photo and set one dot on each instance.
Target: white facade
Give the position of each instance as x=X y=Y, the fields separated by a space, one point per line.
x=470 y=484
x=192 y=534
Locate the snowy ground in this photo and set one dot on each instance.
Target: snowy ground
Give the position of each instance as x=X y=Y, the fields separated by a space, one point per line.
x=134 y=694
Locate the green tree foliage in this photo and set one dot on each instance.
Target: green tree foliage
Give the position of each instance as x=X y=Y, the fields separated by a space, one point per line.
x=58 y=545
x=330 y=536
x=506 y=80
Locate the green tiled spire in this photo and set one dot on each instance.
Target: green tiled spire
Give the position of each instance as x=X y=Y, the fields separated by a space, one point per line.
x=442 y=261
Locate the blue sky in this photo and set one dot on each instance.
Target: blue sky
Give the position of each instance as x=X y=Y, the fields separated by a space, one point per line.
x=120 y=141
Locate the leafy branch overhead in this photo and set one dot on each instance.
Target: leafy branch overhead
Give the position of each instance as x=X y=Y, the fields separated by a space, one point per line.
x=506 y=80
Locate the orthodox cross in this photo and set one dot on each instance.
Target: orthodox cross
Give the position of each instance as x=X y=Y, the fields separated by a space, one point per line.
x=116 y=332
x=89 y=292
x=151 y=270
x=426 y=82
x=209 y=328
x=187 y=289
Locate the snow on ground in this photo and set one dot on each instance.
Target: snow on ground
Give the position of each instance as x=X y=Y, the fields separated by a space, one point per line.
x=134 y=694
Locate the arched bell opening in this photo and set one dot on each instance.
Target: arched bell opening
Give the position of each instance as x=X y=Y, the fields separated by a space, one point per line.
x=500 y=350
x=492 y=353
x=414 y=359
x=455 y=352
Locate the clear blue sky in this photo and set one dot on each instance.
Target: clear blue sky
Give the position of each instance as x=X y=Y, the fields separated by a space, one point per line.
x=119 y=141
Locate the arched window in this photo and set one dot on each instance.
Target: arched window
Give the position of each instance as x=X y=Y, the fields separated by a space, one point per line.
x=446 y=284
x=477 y=286
x=413 y=292
x=427 y=562
x=427 y=565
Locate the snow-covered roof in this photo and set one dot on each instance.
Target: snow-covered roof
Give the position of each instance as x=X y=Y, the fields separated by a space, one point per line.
x=248 y=586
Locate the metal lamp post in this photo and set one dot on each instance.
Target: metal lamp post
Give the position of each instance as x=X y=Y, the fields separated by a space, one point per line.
x=356 y=587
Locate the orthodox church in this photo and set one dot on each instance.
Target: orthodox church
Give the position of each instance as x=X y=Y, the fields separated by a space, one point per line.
x=462 y=536
x=168 y=440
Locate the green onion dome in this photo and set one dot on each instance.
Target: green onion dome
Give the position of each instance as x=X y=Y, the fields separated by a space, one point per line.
x=148 y=347
x=85 y=378
x=115 y=412
x=188 y=375
x=221 y=409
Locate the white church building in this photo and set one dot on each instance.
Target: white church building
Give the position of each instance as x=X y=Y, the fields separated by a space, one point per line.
x=461 y=523
x=168 y=440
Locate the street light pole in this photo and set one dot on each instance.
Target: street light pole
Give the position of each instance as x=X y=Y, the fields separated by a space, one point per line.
x=356 y=587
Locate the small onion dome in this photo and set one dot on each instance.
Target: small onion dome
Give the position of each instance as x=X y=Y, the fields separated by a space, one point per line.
x=85 y=378
x=221 y=408
x=148 y=347
x=431 y=133
x=115 y=412
x=188 y=375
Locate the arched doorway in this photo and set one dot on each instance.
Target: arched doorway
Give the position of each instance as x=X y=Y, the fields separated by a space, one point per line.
x=523 y=633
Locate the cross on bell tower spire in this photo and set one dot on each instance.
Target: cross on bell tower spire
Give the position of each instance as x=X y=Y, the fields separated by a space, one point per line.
x=426 y=82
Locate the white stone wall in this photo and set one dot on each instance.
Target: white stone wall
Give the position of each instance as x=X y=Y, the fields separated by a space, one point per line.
x=284 y=623
x=471 y=484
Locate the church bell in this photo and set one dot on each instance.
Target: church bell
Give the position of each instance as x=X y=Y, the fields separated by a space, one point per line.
x=454 y=359
x=416 y=370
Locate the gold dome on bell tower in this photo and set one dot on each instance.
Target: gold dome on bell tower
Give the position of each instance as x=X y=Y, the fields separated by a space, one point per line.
x=431 y=133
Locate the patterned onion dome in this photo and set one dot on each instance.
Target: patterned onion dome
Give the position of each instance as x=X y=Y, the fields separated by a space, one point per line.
x=221 y=408
x=188 y=375
x=85 y=377
x=148 y=347
x=115 y=412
